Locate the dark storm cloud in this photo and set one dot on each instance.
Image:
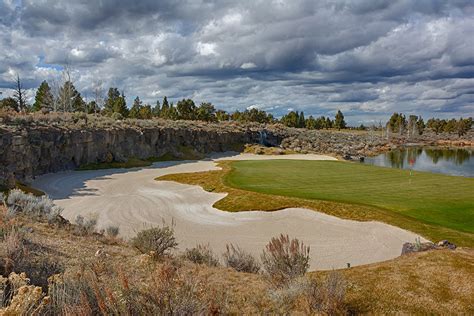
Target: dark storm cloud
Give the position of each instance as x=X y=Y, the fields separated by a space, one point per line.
x=365 y=57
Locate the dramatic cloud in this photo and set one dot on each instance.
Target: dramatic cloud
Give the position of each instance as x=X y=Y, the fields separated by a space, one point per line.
x=368 y=58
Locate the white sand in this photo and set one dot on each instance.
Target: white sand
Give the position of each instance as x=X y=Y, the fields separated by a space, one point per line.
x=133 y=200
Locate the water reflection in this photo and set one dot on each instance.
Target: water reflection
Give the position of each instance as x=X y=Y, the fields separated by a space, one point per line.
x=453 y=161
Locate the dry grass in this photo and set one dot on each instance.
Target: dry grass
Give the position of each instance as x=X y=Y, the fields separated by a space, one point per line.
x=433 y=282
x=182 y=153
x=436 y=282
x=238 y=200
x=263 y=150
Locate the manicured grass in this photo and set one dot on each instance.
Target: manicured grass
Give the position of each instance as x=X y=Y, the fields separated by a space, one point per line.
x=431 y=198
x=239 y=199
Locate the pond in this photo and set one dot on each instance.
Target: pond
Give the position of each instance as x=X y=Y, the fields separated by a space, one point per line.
x=451 y=161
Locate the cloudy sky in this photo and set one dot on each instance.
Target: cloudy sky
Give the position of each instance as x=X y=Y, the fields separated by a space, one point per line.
x=368 y=58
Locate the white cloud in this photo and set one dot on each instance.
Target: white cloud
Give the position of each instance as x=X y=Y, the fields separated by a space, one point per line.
x=206 y=49
x=248 y=66
x=369 y=58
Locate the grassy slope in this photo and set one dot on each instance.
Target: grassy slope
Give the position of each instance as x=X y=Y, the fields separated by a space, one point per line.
x=244 y=200
x=430 y=282
x=434 y=282
x=432 y=198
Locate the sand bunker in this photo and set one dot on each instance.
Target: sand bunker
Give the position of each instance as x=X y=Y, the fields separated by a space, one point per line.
x=133 y=200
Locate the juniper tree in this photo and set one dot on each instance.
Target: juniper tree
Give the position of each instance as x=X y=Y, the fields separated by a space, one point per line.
x=136 y=107
x=44 y=99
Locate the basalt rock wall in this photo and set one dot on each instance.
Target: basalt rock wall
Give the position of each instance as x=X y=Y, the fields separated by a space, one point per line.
x=29 y=152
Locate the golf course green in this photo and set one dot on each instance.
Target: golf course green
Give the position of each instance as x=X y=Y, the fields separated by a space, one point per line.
x=434 y=199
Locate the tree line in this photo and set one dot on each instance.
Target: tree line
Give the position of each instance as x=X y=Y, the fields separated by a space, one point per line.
x=415 y=125
x=66 y=98
x=297 y=119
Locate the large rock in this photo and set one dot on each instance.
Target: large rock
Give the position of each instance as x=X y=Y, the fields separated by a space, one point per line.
x=31 y=151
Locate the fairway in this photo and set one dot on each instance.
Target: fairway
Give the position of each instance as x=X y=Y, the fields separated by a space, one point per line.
x=434 y=199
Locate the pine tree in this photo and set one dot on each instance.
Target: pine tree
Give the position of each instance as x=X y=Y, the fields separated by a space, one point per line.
x=67 y=94
x=156 y=109
x=206 y=112
x=112 y=98
x=44 y=98
x=301 y=120
x=186 y=109
x=311 y=123
x=135 y=110
x=115 y=103
x=146 y=112
x=291 y=119
x=121 y=106
x=164 y=113
x=78 y=104
x=328 y=123
x=339 y=122
x=172 y=112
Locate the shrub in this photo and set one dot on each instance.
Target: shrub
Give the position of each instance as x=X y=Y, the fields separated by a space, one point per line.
x=3 y=199
x=284 y=259
x=176 y=293
x=117 y=116
x=158 y=240
x=328 y=297
x=112 y=231
x=319 y=298
x=240 y=260
x=290 y=295
x=14 y=252
x=85 y=226
x=76 y=116
x=36 y=207
x=201 y=254
x=85 y=293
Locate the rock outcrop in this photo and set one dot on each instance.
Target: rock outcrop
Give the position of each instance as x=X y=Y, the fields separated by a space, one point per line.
x=33 y=145
x=32 y=151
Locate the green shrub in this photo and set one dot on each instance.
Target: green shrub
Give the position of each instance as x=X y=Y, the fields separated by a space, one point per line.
x=240 y=260
x=201 y=254
x=284 y=259
x=157 y=240
x=117 y=116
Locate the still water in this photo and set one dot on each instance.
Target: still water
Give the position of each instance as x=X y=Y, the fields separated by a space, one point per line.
x=457 y=161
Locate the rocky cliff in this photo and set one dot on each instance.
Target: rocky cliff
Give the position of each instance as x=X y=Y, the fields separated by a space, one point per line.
x=34 y=150
x=32 y=145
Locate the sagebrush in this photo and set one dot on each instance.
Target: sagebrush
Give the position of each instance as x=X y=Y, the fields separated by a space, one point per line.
x=240 y=260
x=285 y=259
x=156 y=240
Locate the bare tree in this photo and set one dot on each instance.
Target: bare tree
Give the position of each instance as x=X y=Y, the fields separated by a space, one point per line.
x=98 y=95
x=55 y=90
x=65 y=90
x=20 y=95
